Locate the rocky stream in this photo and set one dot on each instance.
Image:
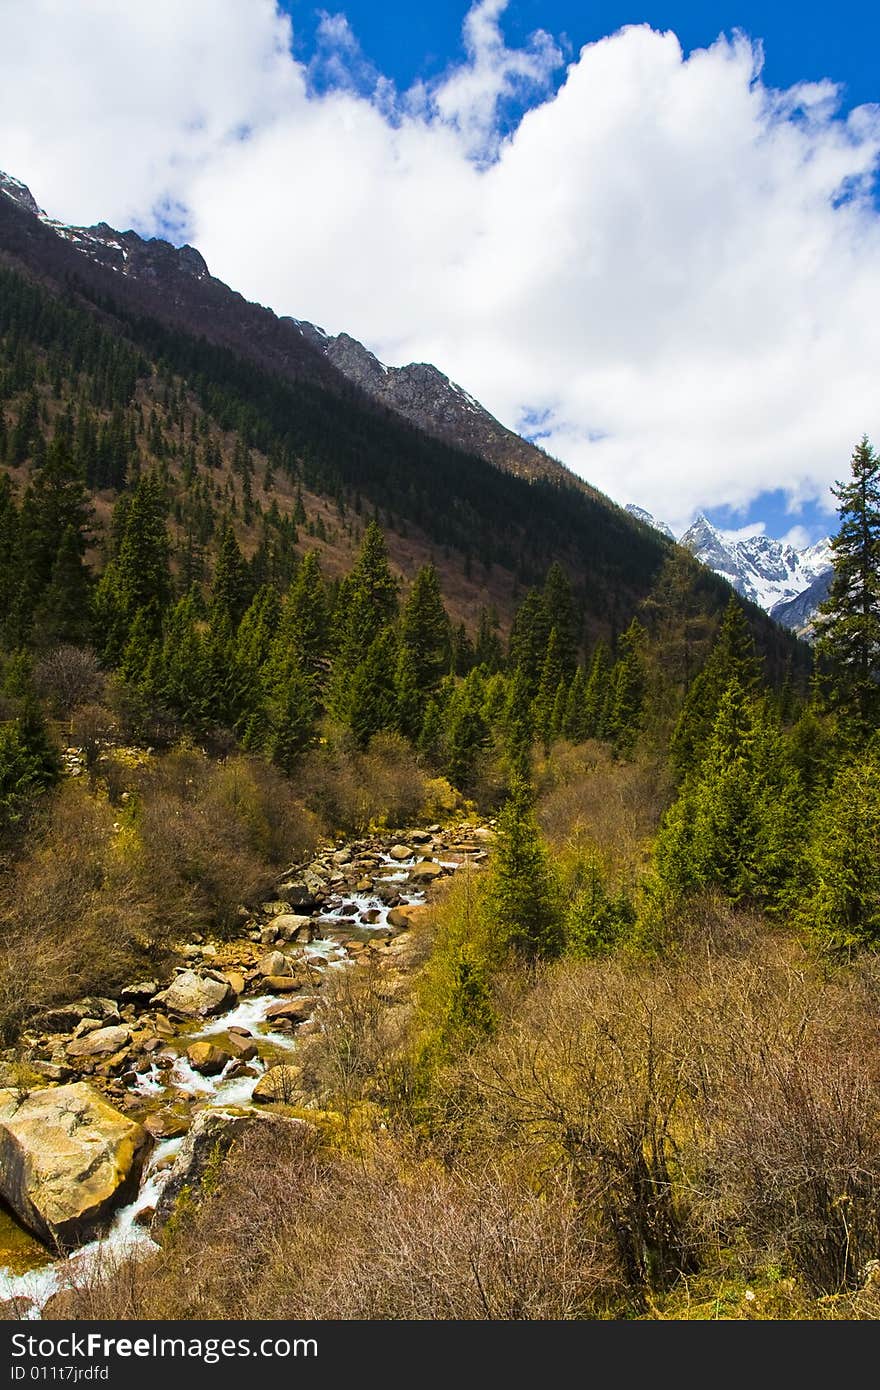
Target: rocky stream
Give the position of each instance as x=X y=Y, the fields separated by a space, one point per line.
x=126 y=1098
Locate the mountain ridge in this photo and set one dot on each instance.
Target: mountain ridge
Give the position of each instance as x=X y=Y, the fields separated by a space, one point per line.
x=419 y=392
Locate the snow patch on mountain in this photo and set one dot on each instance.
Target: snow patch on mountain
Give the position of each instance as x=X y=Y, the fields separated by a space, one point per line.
x=767 y=571
x=788 y=583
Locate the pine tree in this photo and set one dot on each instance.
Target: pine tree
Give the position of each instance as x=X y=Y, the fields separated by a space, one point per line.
x=848 y=626
x=529 y=635
x=552 y=674
x=733 y=658
x=425 y=629
x=596 y=691
x=409 y=695
x=519 y=726
x=372 y=702
x=623 y=720
x=63 y=613
x=522 y=898
x=841 y=899
x=559 y=602
x=230 y=591
x=291 y=720
x=138 y=580
x=574 y=724
x=488 y=651
x=737 y=825
x=467 y=732
x=305 y=626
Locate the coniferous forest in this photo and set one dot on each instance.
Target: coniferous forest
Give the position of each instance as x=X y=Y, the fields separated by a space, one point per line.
x=629 y=1067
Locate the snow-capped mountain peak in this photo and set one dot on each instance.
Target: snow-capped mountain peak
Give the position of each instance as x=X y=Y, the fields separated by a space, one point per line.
x=644 y=516
x=769 y=572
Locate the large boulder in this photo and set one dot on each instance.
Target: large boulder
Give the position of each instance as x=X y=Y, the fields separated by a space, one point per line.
x=193 y=995
x=99 y=1042
x=68 y=1159
x=212 y=1135
x=66 y=1017
x=281 y=1084
x=274 y=963
x=303 y=897
x=290 y=926
x=207 y=1059
x=426 y=872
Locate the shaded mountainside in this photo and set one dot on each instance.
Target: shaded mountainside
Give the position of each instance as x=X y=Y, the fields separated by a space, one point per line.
x=270 y=384
x=423 y=395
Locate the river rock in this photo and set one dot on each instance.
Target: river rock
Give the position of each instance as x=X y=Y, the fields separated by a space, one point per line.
x=245 y=1049
x=207 y=1059
x=291 y=925
x=212 y=1135
x=140 y=993
x=65 y=1018
x=426 y=871
x=101 y=1042
x=400 y=853
x=296 y=1010
x=67 y=1159
x=279 y=1084
x=274 y=963
x=195 y=996
x=165 y=1124
x=302 y=898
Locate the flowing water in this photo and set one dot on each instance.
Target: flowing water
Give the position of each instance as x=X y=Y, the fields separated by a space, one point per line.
x=32 y=1275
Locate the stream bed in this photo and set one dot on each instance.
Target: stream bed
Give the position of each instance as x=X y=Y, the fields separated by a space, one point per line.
x=31 y=1275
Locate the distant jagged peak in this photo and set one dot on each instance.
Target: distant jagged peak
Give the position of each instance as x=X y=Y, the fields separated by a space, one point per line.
x=126 y=252
x=649 y=519
x=20 y=193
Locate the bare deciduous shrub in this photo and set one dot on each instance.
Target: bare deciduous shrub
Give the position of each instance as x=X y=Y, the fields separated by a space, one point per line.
x=91 y=728
x=351 y=790
x=585 y=796
x=215 y=835
x=68 y=677
x=324 y=1236
x=73 y=919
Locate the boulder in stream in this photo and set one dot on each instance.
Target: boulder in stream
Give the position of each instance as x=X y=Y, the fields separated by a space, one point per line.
x=99 y=1042
x=68 y=1159
x=281 y=1084
x=193 y=995
x=207 y=1059
x=65 y=1017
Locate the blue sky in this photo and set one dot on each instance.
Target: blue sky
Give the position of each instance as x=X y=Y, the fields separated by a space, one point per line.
x=805 y=41
x=662 y=245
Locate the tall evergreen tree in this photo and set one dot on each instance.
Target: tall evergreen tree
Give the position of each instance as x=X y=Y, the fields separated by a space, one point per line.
x=230 y=591
x=425 y=629
x=63 y=613
x=848 y=625
x=522 y=897
x=559 y=602
x=732 y=659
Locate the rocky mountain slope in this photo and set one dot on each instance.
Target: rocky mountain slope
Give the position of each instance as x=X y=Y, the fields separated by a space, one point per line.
x=419 y=392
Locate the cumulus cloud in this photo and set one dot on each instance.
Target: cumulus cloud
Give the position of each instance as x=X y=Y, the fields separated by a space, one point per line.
x=665 y=269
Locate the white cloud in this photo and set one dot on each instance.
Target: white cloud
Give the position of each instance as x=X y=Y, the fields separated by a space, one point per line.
x=673 y=267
